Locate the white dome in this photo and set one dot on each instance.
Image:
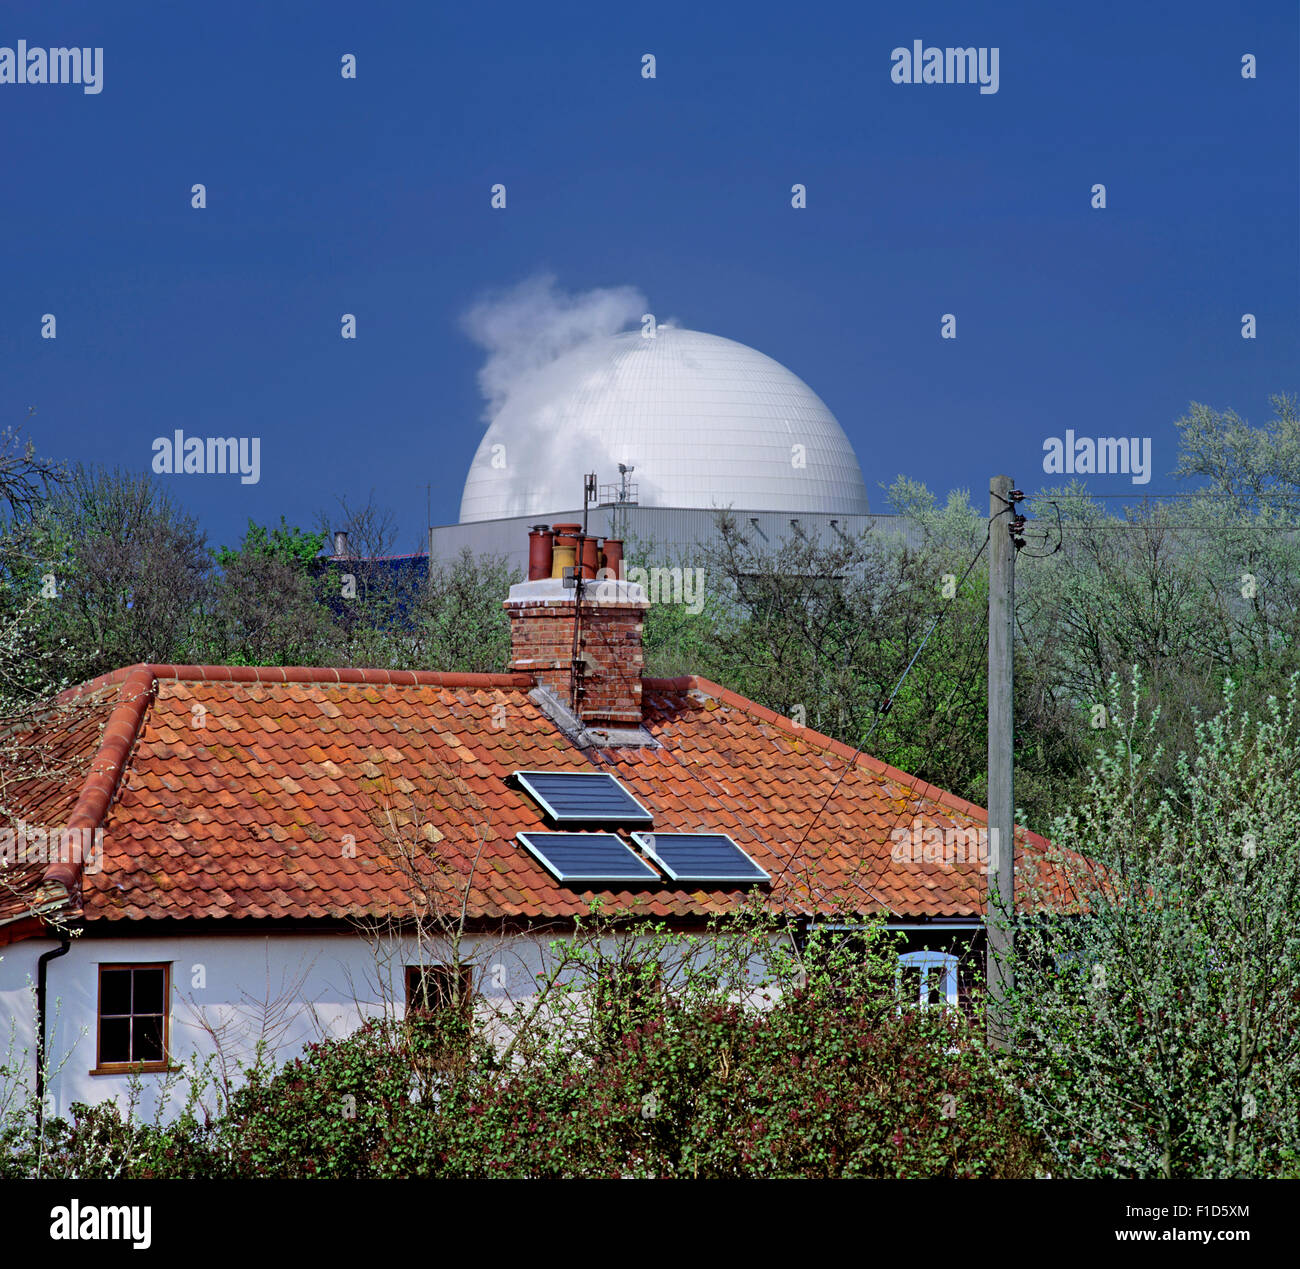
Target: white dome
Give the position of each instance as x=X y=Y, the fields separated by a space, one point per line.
x=707 y=422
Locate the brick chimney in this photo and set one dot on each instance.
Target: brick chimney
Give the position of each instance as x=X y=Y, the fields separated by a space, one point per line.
x=602 y=683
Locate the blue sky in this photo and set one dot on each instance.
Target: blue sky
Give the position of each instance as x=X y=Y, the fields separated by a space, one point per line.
x=371 y=196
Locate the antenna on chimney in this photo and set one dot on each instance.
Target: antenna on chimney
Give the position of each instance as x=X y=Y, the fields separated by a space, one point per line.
x=588 y=497
x=577 y=666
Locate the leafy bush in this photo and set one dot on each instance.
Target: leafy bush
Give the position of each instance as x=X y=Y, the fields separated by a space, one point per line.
x=1159 y=1031
x=817 y=1084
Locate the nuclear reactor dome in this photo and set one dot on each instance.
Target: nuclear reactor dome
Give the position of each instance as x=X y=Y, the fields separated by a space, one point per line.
x=705 y=421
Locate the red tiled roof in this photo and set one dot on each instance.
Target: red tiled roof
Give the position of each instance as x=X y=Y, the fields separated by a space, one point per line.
x=234 y=793
x=43 y=787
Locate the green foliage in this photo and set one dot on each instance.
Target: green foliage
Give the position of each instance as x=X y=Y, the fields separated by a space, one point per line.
x=655 y=1056
x=103 y=1143
x=808 y=1088
x=106 y=571
x=824 y=633
x=102 y=569
x=288 y=545
x=329 y=1113
x=1250 y=465
x=457 y=623
x=1159 y=1030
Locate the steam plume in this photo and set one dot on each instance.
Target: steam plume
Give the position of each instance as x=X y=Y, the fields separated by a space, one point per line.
x=525 y=328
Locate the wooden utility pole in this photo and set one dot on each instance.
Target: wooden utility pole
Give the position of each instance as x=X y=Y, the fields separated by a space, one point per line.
x=1000 y=887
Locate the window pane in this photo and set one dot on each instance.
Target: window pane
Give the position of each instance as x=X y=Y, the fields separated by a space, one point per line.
x=148 y=996
x=147 y=1039
x=114 y=991
x=115 y=1040
x=442 y=987
x=420 y=990
x=433 y=987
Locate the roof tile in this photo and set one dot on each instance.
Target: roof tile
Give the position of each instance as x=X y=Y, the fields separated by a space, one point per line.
x=331 y=790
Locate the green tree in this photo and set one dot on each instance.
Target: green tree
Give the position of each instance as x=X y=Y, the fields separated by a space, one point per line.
x=116 y=572
x=267 y=607
x=285 y=544
x=824 y=633
x=1158 y=1028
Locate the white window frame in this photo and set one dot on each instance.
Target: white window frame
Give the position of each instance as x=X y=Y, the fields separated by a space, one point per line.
x=926 y=960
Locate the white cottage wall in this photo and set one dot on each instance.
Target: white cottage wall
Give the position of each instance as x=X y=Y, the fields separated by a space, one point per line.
x=289 y=989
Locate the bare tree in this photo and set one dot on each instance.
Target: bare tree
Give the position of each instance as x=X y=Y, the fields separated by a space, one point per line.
x=25 y=479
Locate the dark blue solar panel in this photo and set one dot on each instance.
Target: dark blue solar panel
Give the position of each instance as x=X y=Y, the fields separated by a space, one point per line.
x=572 y=857
x=583 y=797
x=700 y=857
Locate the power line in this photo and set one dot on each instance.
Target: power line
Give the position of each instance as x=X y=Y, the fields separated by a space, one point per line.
x=881 y=714
x=762 y=839
x=1190 y=493
x=1186 y=528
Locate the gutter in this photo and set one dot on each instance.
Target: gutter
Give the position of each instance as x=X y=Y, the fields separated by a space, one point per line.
x=939 y=925
x=65 y=946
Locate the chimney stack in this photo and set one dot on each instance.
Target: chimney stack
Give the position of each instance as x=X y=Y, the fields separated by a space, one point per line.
x=598 y=673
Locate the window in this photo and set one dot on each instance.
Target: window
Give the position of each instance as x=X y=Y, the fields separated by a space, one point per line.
x=432 y=989
x=133 y=1014
x=927 y=978
x=439 y=1012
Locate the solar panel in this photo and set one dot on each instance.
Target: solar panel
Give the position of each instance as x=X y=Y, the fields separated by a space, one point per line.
x=700 y=857
x=583 y=797
x=570 y=857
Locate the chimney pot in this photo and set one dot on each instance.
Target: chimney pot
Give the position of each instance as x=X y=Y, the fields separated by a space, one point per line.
x=541 y=546
x=612 y=556
x=566 y=548
x=601 y=677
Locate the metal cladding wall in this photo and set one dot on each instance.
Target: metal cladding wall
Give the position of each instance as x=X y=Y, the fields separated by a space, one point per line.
x=666 y=534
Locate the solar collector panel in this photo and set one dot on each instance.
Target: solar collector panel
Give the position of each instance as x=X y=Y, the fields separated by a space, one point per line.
x=589 y=857
x=700 y=857
x=583 y=797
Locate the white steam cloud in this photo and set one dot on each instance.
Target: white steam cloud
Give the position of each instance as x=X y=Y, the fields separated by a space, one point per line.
x=527 y=327
x=548 y=370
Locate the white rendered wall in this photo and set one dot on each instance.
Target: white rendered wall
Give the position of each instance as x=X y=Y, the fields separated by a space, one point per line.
x=229 y=990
